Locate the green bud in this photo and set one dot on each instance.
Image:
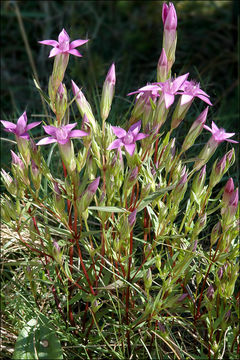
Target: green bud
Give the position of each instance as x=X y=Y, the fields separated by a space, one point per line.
x=108 y=93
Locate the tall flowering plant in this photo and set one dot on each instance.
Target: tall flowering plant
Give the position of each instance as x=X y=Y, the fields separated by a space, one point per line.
x=131 y=237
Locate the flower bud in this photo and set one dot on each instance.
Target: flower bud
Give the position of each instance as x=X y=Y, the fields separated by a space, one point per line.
x=83 y=105
x=158 y=262
x=132 y=218
x=206 y=153
x=36 y=175
x=8 y=182
x=169 y=18
x=228 y=191
x=61 y=102
x=148 y=279
x=182 y=297
x=162 y=68
x=210 y=292
x=17 y=161
x=58 y=199
x=199 y=225
x=215 y=234
x=108 y=93
x=59 y=68
x=218 y=170
x=57 y=252
x=84 y=201
x=199 y=181
x=228 y=212
x=195 y=130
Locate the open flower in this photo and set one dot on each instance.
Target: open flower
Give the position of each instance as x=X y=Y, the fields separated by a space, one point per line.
x=150 y=90
x=21 y=128
x=63 y=45
x=127 y=139
x=192 y=89
x=61 y=135
x=219 y=135
x=170 y=88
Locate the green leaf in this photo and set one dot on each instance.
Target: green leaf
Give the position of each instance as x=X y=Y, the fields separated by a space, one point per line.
x=37 y=340
x=154 y=196
x=108 y=209
x=46 y=98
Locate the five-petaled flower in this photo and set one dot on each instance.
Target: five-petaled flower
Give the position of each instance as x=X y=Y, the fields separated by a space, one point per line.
x=170 y=88
x=63 y=45
x=219 y=135
x=192 y=89
x=61 y=135
x=127 y=139
x=21 y=128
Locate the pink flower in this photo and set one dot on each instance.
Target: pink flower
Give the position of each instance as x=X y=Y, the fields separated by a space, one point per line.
x=169 y=17
x=149 y=91
x=219 y=135
x=192 y=89
x=61 y=135
x=127 y=139
x=63 y=45
x=21 y=128
x=170 y=88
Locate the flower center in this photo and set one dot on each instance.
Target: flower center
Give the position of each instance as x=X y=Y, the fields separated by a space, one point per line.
x=128 y=139
x=61 y=134
x=64 y=45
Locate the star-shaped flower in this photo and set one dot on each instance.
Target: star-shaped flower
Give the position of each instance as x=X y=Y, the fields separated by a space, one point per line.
x=220 y=135
x=61 y=135
x=170 y=88
x=192 y=89
x=127 y=139
x=21 y=128
x=63 y=45
x=149 y=91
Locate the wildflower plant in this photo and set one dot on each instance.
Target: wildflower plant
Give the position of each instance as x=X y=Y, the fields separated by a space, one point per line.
x=136 y=247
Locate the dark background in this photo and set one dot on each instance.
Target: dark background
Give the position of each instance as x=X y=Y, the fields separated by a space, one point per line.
x=130 y=34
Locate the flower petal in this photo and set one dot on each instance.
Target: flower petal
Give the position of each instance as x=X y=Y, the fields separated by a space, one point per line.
x=135 y=128
x=178 y=82
x=49 y=42
x=185 y=99
x=77 y=133
x=141 y=136
x=21 y=124
x=115 y=144
x=232 y=141
x=69 y=127
x=74 y=52
x=32 y=125
x=214 y=127
x=77 y=43
x=119 y=132
x=50 y=130
x=8 y=124
x=169 y=100
x=54 y=52
x=63 y=36
x=46 y=141
x=204 y=98
x=207 y=128
x=130 y=148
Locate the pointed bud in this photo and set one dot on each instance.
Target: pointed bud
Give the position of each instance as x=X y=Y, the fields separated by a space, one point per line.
x=108 y=93
x=132 y=218
x=228 y=191
x=199 y=181
x=133 y=174
x=85 y=200
x=195 y=130
x=17 y=161
x=162 y=68
x=8 y=182
x=182 y=297
x=169 y=18
x=220 y=272
x=148 y=279
x=216 y=232
x=61 y=102
x=210 y=292
x=83 y=105
x=57 y=252
x=92 y=188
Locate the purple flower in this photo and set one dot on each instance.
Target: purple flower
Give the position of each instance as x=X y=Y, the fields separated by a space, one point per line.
x=210 y=292
x=132 y=218
x=21 y=128
x=192 y=89
x=127 y=139
x=63 y=45
x=16 y=160
x=219 y=135
x=92 y=188
x=61 y=134
x=171 y=87
x=169 y=17
x=150 y=90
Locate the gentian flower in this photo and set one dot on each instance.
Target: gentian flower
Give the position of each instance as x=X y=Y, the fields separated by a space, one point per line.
x=21 y=128
x=219 y=135
x=170 y=88
x=61 y=135
x=192 y=89
x=63 y=45
x=127 y=139
x=169 y=17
